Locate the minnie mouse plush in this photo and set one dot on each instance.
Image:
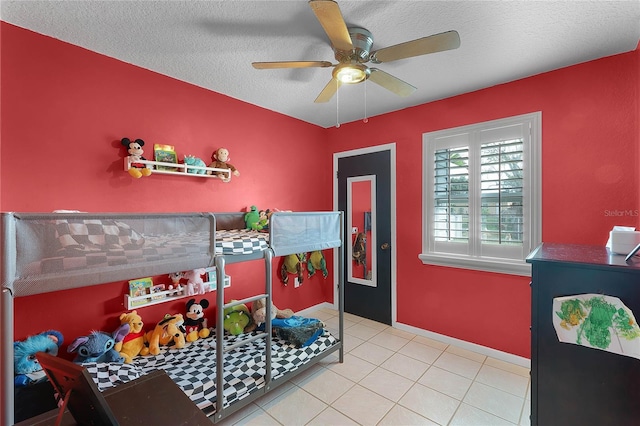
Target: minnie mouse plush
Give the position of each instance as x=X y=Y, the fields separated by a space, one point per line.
x=135 y=151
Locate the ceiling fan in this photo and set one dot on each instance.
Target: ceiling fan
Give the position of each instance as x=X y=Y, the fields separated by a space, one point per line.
x=352 y=48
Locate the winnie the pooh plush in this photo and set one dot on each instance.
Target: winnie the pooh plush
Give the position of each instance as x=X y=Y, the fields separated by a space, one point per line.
x=133 y=344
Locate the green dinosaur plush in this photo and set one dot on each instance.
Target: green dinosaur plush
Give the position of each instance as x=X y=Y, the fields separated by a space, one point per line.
x=237 y=319
x=292 y=264
x=316 y=261
x=252 y=218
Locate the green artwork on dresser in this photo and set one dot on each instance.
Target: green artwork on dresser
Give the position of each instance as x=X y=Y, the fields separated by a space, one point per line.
x=597 y=321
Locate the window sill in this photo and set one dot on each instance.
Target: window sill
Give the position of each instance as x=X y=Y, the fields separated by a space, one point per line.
x=502 y=266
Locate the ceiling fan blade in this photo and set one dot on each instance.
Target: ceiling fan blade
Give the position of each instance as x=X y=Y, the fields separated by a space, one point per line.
x=422 y=46
x=390 y=82
x=330 y=17
x=329 y=90
x=291 y=64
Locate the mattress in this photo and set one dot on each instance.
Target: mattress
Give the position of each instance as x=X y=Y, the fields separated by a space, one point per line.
x=193 y=368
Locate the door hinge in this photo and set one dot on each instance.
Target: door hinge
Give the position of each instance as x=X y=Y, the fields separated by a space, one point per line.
x=337 y=174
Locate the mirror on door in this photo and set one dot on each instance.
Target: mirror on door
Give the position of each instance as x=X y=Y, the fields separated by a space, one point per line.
x=361 y=221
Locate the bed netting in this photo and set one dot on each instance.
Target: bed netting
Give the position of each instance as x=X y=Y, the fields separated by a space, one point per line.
x=52 y=252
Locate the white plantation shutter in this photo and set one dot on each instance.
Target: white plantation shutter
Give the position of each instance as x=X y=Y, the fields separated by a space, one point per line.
x=481 y=192
x=451 y=195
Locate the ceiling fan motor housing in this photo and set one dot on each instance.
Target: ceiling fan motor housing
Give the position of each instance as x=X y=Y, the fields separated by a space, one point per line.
x=362 y=41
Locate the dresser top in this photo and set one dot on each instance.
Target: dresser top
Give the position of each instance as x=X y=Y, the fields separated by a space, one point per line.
x=581 y=254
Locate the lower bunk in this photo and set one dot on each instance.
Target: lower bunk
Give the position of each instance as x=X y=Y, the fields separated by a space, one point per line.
x=194 y=369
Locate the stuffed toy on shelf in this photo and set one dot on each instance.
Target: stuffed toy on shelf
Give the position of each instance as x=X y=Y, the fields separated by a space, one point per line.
x=220 y=160
x=195 y=284
x=190 y=160
x=134 y=149
x=27 y=369
x=195 y=323
x=175 y=278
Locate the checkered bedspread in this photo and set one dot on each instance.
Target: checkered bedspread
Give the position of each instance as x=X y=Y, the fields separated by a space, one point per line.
x=150 y=248
x=193 y=368
x=241 y=241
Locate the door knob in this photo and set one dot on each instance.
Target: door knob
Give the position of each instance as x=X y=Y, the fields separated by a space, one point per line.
x=385 y=246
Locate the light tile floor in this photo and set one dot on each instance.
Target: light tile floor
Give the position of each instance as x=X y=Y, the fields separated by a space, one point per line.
x=392 y=377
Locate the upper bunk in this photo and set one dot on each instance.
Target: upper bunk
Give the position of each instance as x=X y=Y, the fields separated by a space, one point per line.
x=45 y=252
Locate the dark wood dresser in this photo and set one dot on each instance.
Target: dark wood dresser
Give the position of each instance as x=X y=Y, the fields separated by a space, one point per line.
x=572 y=384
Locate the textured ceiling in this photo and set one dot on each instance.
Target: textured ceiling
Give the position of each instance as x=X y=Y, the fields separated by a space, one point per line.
x=212 y=44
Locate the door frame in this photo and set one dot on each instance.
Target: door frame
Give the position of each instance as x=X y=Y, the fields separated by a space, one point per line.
x=391 y=147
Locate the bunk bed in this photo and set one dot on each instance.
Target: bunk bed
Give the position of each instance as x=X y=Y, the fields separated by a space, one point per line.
x=58 y=251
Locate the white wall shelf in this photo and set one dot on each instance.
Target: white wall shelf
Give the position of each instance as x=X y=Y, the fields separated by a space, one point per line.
x=151 y=299
x=179 y=169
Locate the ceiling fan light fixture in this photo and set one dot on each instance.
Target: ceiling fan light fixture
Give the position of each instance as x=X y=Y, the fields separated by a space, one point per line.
x=350 y=73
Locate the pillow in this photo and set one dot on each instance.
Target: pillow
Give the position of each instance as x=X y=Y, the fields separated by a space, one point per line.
x=95 y=234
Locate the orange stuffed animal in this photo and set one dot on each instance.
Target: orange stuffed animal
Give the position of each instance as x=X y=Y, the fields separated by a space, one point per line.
x=168 y=332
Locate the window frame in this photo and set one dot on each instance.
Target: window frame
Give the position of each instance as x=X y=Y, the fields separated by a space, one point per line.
x=468 y=255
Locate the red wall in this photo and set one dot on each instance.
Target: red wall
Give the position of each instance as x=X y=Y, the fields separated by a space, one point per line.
x=590 y=145
x=71 y=106
x=64 y=111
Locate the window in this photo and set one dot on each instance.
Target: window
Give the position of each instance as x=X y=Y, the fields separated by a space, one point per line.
x=482 y=203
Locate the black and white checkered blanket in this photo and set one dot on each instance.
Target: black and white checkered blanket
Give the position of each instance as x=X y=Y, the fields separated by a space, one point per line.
x=193 y=368
x=240 y=241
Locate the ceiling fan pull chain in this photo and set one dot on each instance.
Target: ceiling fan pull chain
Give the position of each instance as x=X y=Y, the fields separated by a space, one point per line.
x=365 y=120
x=337 y=106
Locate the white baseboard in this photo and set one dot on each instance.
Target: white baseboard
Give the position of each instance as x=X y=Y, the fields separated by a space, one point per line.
x=493 y=353
x=310 y=309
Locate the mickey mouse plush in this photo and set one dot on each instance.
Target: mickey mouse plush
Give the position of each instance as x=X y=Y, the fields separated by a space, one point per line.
x=195 y=323
x=135 y=151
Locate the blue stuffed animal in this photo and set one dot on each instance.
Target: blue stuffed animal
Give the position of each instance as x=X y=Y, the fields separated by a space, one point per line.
x=99 y=346
x=195 y=161
x=27 y=369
